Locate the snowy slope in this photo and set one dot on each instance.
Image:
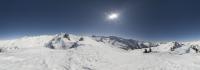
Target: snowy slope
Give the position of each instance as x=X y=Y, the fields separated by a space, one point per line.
x=71 y=52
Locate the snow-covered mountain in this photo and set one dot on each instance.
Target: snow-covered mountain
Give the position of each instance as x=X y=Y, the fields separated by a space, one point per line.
x=70 y=52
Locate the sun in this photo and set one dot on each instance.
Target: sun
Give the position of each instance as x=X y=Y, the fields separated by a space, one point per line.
x=113 y=16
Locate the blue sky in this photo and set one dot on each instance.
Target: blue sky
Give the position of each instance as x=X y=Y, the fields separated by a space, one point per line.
x=140 y=19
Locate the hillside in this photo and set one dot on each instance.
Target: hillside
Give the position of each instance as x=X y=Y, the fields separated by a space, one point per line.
x=70 y=52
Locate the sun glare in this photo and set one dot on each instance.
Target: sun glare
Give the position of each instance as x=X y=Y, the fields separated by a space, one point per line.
x=113 y=16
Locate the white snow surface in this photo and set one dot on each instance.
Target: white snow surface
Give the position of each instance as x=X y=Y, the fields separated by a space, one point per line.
x=32 y=53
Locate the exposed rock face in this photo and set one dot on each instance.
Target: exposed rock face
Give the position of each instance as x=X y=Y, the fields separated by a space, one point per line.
x=176 y=45
x=124 y=43
x=60 y=41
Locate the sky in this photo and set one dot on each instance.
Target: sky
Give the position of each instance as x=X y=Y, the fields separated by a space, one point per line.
x=138 y=19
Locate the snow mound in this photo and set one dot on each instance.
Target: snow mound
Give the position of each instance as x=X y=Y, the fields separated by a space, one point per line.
x=36 y=41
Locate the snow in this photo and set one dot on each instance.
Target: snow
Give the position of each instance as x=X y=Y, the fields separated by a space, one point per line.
x=33 y=53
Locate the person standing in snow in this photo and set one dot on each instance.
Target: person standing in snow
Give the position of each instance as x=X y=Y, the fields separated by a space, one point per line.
x=150 y=50
x=145 y=51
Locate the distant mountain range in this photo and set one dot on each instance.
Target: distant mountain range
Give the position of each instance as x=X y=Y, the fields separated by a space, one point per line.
x=67 y=41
